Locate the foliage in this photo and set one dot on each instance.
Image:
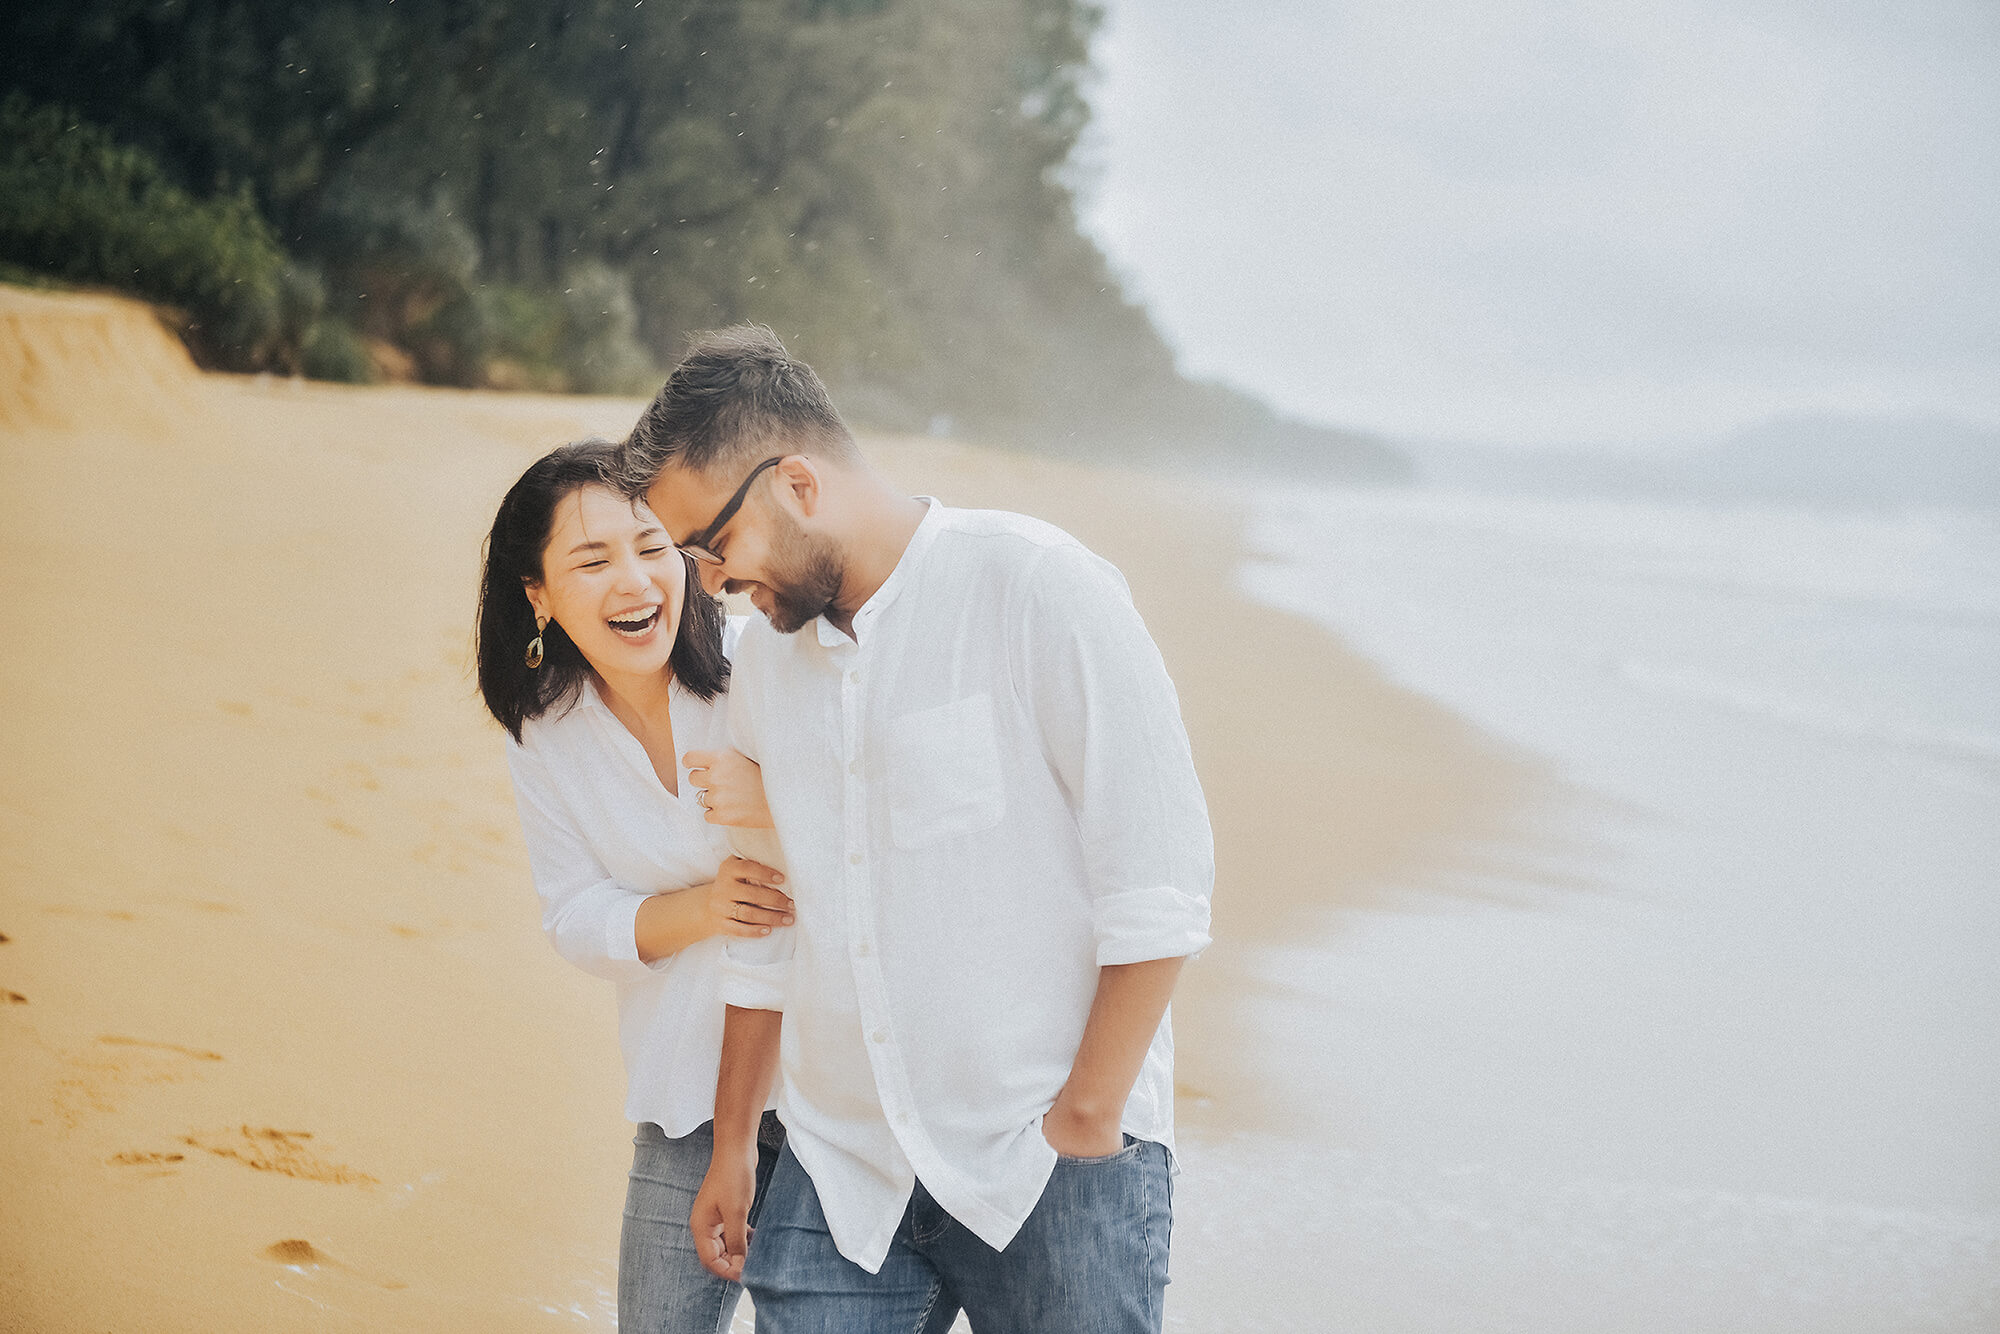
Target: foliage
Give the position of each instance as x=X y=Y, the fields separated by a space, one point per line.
x=554 y=195
x=76 y=205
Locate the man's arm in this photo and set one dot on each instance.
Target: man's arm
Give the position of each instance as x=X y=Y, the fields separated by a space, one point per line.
x=720 y=1218
x=1130 y=1002
x=1111 y=728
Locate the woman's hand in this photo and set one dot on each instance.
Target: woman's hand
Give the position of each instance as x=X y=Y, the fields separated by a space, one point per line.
x=732 y=787
x=744 y=899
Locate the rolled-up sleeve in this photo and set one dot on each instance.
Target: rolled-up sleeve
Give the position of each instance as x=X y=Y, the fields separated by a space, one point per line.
x=587 y=915
x=755 y=973
x=1111 y=727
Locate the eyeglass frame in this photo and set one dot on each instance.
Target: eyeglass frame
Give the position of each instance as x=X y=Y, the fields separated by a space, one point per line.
x=697 y=545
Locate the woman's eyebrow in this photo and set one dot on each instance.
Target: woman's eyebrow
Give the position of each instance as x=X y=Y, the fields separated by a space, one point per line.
x=589 y=546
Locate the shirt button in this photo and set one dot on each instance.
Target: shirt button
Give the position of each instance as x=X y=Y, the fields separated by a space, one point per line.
x=854 y=766
x=881 y=1035
x=854 y=678
x=854 y=859
x=864 y=949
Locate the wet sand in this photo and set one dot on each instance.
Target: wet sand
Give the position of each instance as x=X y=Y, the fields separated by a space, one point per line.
x=281 y=1043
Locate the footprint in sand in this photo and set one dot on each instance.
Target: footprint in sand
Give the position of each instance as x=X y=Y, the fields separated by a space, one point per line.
x=193 y=1053
x=159 y=1164
x=3 y=937
x=235 y=706
x=284 y=1152
x=13 y=997
x=67 y=911
x=94 y=1081
x=300 y=1256
x=355 y=774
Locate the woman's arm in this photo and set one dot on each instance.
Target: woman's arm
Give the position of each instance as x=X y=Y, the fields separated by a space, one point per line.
x=742 y=900
x=611 y=930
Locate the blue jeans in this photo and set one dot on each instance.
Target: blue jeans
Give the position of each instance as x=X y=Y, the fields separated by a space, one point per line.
x=1090 y=1259
x=662 y=1287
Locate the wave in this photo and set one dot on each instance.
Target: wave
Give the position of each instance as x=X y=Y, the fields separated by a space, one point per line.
x=1958 y=744
x=1342 y=1239
x=1915 y=563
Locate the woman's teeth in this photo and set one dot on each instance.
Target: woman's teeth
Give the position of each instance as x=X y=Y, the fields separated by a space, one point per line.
x=635 y=623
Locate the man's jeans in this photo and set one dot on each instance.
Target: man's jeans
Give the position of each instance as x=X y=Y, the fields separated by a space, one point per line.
x=1091 y=1259
x=662 y=1287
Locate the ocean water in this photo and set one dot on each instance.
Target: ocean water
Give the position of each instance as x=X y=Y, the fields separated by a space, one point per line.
x=1720 y=1048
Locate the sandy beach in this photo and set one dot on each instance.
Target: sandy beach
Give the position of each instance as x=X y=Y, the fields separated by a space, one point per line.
x=281 y=1044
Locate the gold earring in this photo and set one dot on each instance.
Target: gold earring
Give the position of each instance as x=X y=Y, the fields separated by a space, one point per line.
x=535 y=644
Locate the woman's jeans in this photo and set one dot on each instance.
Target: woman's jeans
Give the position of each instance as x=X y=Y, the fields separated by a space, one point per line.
x=662 y=1287
x=1090 y=1259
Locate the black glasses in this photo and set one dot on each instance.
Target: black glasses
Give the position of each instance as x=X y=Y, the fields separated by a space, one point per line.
x=697 y=545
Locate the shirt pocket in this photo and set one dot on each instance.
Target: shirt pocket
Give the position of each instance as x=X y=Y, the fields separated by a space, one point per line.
x=944 y=773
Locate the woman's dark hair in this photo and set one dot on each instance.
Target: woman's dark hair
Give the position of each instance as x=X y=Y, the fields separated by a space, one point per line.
x=516 y=692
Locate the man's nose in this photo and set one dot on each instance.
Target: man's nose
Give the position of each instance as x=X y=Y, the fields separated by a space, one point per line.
x=712 y=577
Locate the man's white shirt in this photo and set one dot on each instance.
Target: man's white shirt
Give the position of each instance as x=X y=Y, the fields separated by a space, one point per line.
x=982 y=797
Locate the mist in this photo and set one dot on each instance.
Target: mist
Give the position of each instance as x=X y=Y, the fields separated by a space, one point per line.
x=1592 y=224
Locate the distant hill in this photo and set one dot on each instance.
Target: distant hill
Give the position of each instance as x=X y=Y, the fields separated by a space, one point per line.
x=1816 y=459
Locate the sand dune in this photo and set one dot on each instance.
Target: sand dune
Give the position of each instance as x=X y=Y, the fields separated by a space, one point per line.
x=69 y=360
x=283 y=1045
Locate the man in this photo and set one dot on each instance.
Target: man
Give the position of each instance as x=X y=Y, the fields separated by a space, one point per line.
x=999 y=856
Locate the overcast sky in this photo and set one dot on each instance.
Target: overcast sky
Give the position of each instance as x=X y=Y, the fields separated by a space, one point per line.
x=1529 y=220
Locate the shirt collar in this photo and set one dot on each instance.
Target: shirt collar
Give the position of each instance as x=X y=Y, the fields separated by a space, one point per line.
x=913 y=554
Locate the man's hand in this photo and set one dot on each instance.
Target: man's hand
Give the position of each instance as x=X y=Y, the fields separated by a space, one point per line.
x=1131 y=1000
x=1075 y=1133
x=732 y=787
x=720 y=1219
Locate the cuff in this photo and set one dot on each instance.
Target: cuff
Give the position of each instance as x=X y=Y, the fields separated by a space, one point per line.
x=754 y=986
x=621 y=934
x=1158 y=922
x=755 y=972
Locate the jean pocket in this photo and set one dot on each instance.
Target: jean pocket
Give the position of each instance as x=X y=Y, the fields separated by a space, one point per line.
x=1130 y=1151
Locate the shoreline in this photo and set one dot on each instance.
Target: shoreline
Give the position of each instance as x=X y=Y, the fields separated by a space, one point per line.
x=288 y=1043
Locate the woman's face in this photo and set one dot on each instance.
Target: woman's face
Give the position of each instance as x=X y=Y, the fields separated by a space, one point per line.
x=613 y=581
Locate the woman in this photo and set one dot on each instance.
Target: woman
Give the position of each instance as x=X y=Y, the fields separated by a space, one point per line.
x=605 y=661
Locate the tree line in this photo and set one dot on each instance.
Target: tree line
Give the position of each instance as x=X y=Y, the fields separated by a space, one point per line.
x=551 y=195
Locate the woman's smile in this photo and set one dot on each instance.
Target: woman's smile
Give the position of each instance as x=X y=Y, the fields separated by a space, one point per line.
x=637 y=624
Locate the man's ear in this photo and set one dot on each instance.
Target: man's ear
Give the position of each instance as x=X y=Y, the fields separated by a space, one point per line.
x=801 y=484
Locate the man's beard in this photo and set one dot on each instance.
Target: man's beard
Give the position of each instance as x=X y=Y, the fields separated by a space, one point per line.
x=805 y=579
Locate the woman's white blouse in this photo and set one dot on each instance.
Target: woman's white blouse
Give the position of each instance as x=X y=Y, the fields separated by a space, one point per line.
x=602 y=835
